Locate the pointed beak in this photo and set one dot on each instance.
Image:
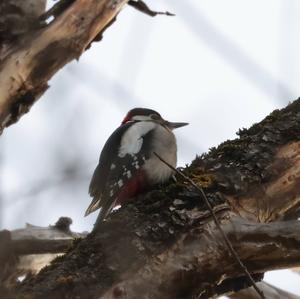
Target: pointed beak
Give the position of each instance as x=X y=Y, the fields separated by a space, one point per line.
x=173 y=126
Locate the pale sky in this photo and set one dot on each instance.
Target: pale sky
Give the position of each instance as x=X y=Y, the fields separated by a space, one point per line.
x=219 y=65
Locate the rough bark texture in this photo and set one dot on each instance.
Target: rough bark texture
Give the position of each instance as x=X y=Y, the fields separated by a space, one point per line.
x=29 y=61
x=18 y=17
x=270 y=292
x=165 y=245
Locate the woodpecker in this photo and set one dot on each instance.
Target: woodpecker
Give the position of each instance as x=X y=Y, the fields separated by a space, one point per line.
x=127 y=163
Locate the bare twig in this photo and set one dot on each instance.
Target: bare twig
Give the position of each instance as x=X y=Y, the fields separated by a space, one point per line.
x=227 y=241
x=143 y=7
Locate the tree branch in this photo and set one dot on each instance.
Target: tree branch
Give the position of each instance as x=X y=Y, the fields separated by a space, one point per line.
x=270 y=292
x=223 y=234
x=27 y=65
x=18 y=17
x=165 y=244
x=172 y=272
x=29 y=249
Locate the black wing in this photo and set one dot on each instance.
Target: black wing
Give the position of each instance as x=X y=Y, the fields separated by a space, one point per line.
x=114 y=171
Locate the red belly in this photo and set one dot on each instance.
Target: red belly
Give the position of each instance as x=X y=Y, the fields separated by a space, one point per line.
x=132 y=187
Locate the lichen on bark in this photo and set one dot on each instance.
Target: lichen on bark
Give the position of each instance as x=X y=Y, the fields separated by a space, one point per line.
x=166 y=237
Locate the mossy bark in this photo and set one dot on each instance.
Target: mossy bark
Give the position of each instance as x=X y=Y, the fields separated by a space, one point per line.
x=164 y=244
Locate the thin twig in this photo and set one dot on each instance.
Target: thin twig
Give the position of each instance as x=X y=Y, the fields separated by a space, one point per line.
x=227 y=242
x=143 y=7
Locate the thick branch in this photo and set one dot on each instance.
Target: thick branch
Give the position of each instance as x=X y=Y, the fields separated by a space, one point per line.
x=18 y=17
x=259 y=173
x=23 y=247
x=196 y=260
x=270 y=292
x=26 y=67
x=165 y=245
x=279 y=196
x=31 y=248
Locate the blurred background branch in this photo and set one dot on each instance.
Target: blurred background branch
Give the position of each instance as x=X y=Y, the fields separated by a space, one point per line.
x=26 y=251
x=37 y=57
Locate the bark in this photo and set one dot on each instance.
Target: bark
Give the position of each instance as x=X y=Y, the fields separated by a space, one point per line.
x=165 y=245
x=28 y=250
x=27 y=63
x=270 y=292
x=18 y=17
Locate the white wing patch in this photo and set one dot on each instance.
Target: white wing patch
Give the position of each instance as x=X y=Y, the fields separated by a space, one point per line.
x=120 y=183
x=132 y=141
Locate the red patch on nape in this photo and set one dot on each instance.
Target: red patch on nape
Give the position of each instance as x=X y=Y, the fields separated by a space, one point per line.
x=132 y=187
x=126 y=118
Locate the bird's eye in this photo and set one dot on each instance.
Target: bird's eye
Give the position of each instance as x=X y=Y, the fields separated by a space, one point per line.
x=155 y=116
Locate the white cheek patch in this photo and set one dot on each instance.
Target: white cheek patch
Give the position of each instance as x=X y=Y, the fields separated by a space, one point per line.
x=112 y=166
x=132 y=141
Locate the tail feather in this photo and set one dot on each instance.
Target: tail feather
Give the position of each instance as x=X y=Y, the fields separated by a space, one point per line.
x=104 y=212
x=94 y=205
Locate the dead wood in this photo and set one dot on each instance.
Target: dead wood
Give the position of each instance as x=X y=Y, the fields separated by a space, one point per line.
x=27 y=63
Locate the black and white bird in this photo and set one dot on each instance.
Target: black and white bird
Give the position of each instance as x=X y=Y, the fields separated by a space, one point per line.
x=127 y=162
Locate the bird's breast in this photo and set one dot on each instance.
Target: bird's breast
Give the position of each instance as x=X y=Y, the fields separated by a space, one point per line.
x=164 y=144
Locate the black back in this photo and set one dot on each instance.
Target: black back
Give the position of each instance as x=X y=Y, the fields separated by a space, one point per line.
x=104 y=178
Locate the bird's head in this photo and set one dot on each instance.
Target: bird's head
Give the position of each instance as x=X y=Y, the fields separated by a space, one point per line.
x=144 y=114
